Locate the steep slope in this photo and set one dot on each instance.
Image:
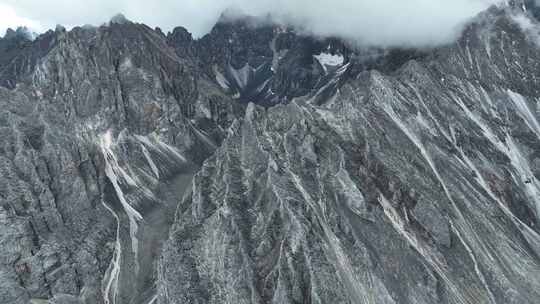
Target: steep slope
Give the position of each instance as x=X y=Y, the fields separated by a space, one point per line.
x=419 y=186
x=256 y=165
x=107 y=113
x=19 y=54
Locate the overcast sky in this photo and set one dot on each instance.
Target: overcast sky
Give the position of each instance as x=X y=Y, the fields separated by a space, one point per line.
x=373 y=22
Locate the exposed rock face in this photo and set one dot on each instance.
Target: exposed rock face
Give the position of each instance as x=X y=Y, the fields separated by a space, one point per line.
x=413 y=187
x=20 y=54
x=139 y=167
x=56 y=193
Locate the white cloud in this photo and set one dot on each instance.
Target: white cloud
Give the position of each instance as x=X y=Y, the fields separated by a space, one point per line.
x=530 y=27
x=374 y=22
x=10 y=19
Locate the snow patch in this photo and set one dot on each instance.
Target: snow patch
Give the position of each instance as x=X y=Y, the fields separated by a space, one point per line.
x=160 y=146
x=113 y=271
x=242 y=75
x=329 y=59
x=150 y=161
x=117 y=175
x=525 y=112
x=354 y=199
x=221 y=80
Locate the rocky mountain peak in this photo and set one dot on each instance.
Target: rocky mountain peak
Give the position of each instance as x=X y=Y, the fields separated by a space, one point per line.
x=21 y=32
x=119 y=19
x=261 y=165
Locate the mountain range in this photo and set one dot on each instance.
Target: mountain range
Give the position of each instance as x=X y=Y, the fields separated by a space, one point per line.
x=261 y=165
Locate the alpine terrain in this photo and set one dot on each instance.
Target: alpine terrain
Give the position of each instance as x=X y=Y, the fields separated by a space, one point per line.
x=261 y=165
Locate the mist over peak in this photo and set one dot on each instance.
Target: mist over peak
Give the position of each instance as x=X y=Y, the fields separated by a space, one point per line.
x=373 y=23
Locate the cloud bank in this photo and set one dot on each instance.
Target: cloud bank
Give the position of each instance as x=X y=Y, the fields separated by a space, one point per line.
x=368 y=22
x=10 y=19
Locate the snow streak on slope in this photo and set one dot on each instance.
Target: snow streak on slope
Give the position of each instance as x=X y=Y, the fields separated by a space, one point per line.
x=117 y=175
x=112 y=275
x=148 y=177
x=151 y=163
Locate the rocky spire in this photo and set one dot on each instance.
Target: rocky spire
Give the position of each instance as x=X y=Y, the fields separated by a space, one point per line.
x=119 y=19
x=20 y=32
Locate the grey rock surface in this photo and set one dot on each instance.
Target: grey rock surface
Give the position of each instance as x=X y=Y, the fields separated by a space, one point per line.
x=409 y=187
x=120 y=85
x=256 y=165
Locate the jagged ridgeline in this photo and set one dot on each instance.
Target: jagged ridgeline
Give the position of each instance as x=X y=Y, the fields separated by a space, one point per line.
x=259 y=165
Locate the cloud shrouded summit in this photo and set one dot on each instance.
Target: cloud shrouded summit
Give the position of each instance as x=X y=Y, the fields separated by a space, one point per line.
x=371 y=22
